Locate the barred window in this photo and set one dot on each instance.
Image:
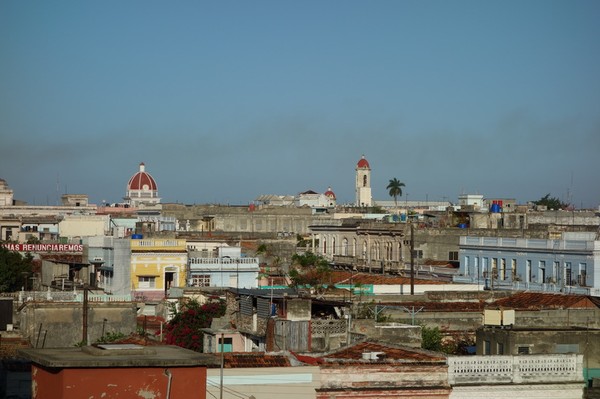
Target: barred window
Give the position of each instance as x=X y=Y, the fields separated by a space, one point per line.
x=201 y=280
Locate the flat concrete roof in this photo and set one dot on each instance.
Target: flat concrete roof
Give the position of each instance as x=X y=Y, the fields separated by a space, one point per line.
x=115 y=355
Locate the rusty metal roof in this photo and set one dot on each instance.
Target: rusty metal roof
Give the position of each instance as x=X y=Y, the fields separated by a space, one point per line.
x=346 y=277
x=541 y=301
x=253 y=359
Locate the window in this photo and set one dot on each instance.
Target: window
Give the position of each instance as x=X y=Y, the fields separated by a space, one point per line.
x=542 y=271
x=146 y=281
x=523 y=350
x=486 y=347
x=364 y=181
x=500 y=348
x=453 y=255
x=581 y=278
x=568 y=274
x=201 y=280
x=513 y=269
x=566 y=348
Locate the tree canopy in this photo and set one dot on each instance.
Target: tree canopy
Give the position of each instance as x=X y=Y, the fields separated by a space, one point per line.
x=395 y=189
x=310 y=270
x=551 y=202
x=15 y=270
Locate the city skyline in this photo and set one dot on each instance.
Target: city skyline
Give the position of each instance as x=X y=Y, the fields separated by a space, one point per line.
x=224 y=102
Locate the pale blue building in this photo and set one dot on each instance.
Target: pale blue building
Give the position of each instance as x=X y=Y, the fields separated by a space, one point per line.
x=228 y=269
x=569 y=264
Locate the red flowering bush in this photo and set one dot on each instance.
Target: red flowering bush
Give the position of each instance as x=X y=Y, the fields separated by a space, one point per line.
x=185 y=328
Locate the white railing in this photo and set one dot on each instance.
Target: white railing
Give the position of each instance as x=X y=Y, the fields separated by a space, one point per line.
x=477 y=370
x=529 y=243
x=104 y=298
x=67 y=296
x=222 y=261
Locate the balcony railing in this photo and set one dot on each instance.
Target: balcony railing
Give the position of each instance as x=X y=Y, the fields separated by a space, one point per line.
x=477 y=370
x=529 y=243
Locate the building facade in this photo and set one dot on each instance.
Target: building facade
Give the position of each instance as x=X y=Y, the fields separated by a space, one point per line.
x=228 y=269
x=569 y=264
x=156 y=266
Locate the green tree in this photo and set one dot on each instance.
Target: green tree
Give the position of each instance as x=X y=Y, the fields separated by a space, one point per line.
x=15 y=270
x=395 y=189
x=431 y=338
x=551 y=202
x=309 y=269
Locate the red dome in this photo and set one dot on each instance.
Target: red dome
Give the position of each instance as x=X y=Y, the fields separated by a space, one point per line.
x=142 y=181
x=330 y=193
x=363 y=163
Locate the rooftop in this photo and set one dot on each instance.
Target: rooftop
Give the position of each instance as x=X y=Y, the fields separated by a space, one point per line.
x=117 y=355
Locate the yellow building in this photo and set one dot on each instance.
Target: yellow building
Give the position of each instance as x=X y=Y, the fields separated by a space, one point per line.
x=156 y=266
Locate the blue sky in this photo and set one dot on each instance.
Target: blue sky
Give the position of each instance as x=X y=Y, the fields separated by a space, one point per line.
x=227 y=100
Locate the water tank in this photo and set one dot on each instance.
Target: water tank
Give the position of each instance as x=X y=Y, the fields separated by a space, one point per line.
x=495 y=208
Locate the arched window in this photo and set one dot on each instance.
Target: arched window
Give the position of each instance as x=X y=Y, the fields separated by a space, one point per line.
x=365 y=181
x=345 y=247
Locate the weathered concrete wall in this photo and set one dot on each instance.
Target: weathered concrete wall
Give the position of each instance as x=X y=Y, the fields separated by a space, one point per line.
x=470 y=321
x=581 y=341
x=243 y=219
x=393 y=333
x=298 y=309
x=383 y=379
x=60 y=325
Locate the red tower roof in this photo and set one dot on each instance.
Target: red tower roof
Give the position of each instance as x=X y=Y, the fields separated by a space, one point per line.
x=363 y=163
x=330 y=193
x=142 y=181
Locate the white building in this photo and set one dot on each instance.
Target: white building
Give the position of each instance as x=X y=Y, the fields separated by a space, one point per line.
x=474 y=201
x=316 y=200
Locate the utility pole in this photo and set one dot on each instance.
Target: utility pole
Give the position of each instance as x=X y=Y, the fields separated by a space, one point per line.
x=85 y=316
x=222 y=365
x=412 y=259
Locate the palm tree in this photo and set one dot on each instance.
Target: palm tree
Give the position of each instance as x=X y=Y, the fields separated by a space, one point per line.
x=395 y=189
